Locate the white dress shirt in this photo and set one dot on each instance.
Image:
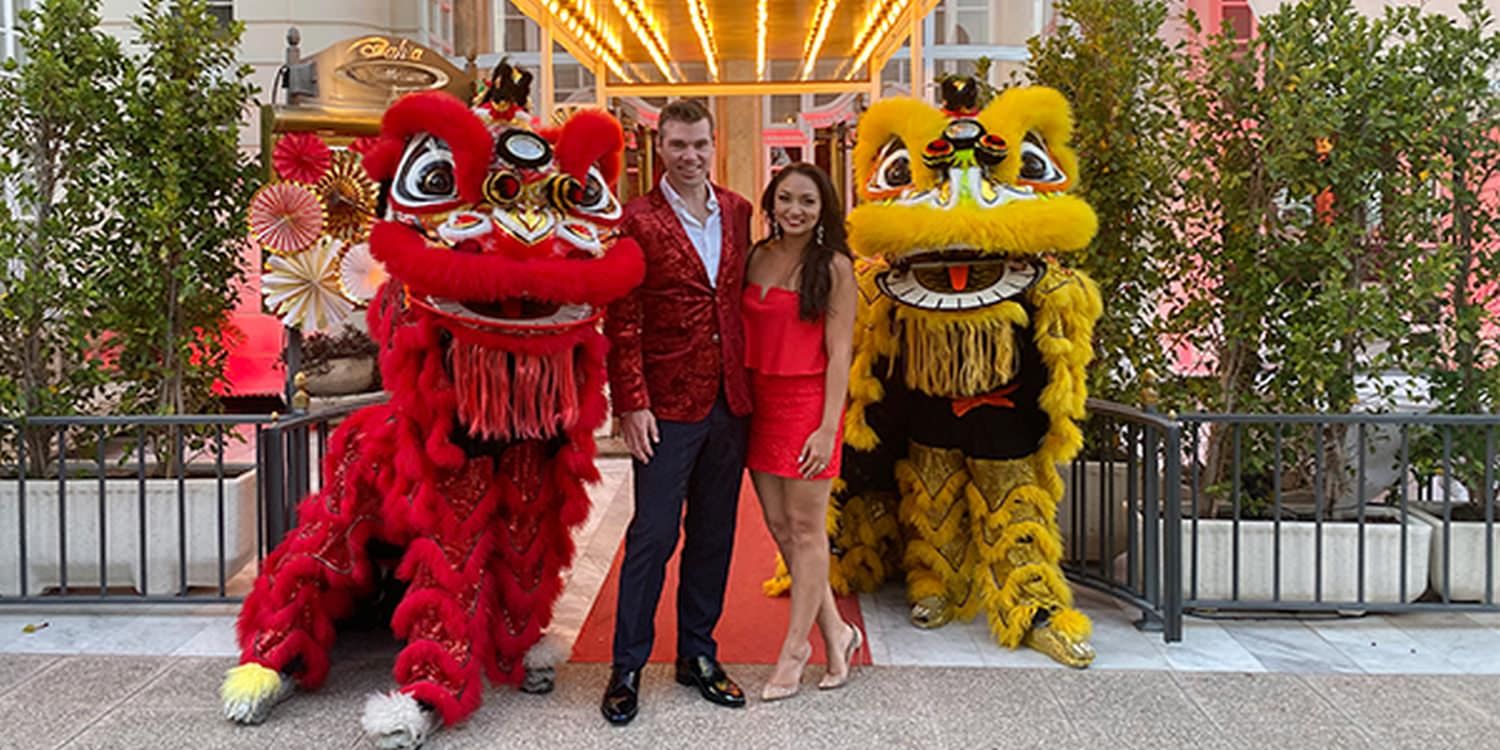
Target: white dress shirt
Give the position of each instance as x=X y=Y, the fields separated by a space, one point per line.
x=707 y=236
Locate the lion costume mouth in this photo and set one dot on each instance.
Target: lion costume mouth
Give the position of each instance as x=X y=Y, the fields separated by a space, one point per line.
x=957 y=279
x=511 y=313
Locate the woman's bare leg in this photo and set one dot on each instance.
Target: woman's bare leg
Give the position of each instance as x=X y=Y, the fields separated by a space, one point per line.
x=807 y=508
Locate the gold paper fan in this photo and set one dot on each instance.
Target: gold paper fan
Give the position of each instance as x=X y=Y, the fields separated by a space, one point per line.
x=349 y=195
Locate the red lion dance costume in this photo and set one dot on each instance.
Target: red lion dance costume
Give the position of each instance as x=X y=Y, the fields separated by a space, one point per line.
x=498 y=244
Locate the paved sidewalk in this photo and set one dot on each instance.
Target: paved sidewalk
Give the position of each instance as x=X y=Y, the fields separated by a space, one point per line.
x=171 y=702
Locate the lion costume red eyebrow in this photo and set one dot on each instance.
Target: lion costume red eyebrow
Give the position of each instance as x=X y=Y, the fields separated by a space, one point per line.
x=445 y=117
x=588 y=138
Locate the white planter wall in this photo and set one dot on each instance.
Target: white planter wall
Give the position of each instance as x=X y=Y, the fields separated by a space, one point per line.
x=1340 y=571
x=122 y=519
x=1466 y=569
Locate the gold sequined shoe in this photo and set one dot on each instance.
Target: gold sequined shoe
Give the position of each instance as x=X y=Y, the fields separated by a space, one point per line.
x=931 y=612
x=1063 y=648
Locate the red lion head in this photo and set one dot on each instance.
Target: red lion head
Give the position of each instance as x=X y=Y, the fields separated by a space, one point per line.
x=501 y=235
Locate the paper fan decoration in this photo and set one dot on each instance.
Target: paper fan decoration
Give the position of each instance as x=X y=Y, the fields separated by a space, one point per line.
x=363 y=144
x=349 y=196
x=285 y=217
x=303 y=289
x=360 y=274
x=301 y=157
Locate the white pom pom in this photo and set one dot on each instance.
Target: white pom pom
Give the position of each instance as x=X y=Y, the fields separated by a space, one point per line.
x=395 y=721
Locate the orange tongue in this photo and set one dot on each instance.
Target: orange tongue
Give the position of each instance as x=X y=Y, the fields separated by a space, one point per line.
x=958 y=277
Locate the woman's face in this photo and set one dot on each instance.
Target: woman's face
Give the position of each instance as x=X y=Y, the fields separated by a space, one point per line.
x=798 y=205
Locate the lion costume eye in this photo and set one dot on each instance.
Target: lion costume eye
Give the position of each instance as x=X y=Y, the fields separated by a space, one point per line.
x=426 y=175
x=1037 y=167
x=893 y=170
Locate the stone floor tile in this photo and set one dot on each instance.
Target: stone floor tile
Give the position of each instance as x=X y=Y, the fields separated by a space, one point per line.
x=1151 y=731
x=1342 y=736
x=1291 y=646
x=164 y=729
x=1413 y=737
x=1119 y=696
x=28 y=724
x=15 y=668
x=1258 y=699
x=91 y=680
x=1393 y=701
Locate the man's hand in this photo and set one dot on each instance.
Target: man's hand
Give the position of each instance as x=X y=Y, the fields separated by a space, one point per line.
x=639 y=429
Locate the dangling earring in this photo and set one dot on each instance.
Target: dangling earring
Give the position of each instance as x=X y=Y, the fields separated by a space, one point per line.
x=775 y=230
x=820 y=233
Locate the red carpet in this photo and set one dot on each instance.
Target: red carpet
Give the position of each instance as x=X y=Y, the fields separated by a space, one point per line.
x=753 y=625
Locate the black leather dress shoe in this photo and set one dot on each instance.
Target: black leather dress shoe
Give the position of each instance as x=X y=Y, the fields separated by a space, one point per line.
x=622 y=699
x=705 y=674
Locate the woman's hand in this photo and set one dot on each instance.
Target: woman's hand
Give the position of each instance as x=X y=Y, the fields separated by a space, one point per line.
x=817 y=451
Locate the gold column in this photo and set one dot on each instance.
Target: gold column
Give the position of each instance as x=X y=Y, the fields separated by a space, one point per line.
x=738 y=119
x=546 y=72
x=918 y=64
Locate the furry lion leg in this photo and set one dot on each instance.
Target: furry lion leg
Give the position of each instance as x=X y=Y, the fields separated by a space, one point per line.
x=445 y=617
x=541 y=500
x=251 y=690
x=309 y=582
x=866 y=541
x=397 y=721
x=938 y=557
x=1025 y=596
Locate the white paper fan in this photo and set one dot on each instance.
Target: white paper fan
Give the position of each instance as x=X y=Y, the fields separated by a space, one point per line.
x=360 y=274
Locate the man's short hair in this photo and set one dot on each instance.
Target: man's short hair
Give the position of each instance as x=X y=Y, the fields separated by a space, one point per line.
x=687 y=111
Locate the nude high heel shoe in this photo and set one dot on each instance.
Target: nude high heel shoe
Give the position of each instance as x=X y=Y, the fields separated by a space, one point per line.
x=857 y=639
x=775 y=692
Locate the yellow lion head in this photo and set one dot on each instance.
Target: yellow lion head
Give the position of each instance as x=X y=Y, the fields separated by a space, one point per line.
x=963 y=203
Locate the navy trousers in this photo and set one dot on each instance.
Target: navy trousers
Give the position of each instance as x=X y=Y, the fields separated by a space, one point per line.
x=701 y=464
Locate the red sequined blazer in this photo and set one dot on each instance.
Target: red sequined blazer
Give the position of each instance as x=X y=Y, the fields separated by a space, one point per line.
x=676 y=338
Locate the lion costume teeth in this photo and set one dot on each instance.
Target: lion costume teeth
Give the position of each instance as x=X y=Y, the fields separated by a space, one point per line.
x=968 y=371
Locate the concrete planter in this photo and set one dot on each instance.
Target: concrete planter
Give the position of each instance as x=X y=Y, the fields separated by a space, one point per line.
x=1340 y=571
x=1093 y=508
x=1466 y=568
x=123 y=533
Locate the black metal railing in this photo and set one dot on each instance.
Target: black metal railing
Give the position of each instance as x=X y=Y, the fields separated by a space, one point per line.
x=1130 y=460
x=1352 y=512
x=1340 y=512
x=1348 y=513
x=151 y=509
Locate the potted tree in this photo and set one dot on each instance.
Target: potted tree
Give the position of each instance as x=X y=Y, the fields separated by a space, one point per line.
x=1458 y=59
x=1116 y=71
x=1304 y=257
x=171 y=184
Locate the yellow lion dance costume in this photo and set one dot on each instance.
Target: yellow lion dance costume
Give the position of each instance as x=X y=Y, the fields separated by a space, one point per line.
x=968 y=371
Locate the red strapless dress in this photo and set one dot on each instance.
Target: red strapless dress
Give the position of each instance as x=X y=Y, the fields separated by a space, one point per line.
x=788 y=362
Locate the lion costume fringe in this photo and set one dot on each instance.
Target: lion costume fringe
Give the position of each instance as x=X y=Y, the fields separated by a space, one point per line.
x=968 y=371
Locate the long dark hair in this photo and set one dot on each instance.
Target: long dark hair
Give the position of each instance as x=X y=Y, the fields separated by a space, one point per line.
x=814 y=281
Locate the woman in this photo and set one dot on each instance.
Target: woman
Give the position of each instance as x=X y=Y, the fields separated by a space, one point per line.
x=799 y=321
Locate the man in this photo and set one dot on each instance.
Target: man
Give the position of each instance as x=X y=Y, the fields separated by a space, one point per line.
x=677 y=378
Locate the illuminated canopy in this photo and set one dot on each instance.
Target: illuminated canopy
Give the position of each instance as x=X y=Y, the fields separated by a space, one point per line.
x=651 y=47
